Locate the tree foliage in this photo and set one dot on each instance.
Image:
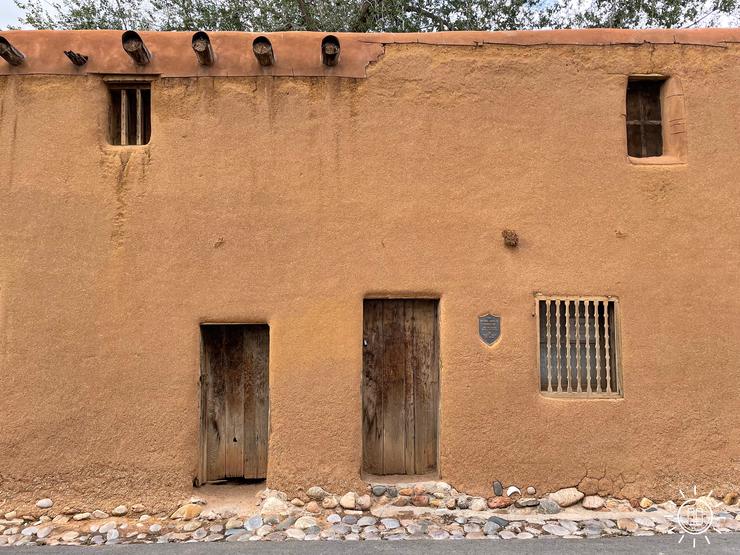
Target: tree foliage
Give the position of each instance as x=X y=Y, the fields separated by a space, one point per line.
x=374 y=15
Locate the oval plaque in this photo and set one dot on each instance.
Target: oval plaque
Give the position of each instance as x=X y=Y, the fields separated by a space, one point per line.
x=489 y=328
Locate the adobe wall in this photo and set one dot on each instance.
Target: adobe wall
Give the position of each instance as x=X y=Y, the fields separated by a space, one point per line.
x=288 y=200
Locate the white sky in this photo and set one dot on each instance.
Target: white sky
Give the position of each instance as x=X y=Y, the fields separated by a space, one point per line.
x=9 y=14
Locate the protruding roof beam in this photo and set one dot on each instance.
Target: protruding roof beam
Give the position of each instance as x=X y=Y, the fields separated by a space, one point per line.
x=203 y=49
x=330 y=50
x=76 y=58
x=135 y=47
x=10 y=53
x=262 y=48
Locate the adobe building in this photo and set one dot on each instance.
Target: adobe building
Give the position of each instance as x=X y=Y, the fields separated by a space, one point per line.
x=336 y=260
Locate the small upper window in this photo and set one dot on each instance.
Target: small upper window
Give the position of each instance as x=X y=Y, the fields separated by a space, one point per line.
x=644 y=118
x=130 y=113
x=579 y=347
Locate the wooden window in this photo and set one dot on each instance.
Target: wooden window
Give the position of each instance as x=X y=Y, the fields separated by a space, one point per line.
x=400 y=387
x=234 y=401
x=130 y=113
x=579 y=346
x=644 y=118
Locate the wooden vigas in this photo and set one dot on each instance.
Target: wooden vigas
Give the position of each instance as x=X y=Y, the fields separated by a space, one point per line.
x=235 y=401
x=400 y=387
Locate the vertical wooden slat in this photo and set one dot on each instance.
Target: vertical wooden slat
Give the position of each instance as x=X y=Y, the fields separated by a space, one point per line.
x=255 y=354
x=578 y=344
x=214 y=408
x=139 y=118
x=261 y=387
x=558 y=365
x=394 y=389
x=568 y=367
x=548 y=303
x=597 y=333
x=250 y=384
x=616 y=348
x=372 y=386
x=426 y=384
x=588 y=346
x=124 y=117
x=233 y=371
x=410 y=365
x=607 y=346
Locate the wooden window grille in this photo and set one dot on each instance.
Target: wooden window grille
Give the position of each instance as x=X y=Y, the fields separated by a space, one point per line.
x=130 y=113
x=644 y=118
x=579 y=346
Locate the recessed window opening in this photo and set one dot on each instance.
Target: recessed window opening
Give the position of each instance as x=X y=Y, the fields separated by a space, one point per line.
x=644 y=118
x=130 y=113
x=579 y=347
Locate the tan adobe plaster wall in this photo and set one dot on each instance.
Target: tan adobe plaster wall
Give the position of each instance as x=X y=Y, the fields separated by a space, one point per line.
x=287 y=200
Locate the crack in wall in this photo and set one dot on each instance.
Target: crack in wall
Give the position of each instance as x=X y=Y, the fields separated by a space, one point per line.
x=118 y=233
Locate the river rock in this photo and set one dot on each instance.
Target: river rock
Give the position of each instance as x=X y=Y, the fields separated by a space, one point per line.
x=367 y=521
x=121 y=510
x=555 y=530
x=187 y=512
x=378 y=490
x=316 y=493
x=593 y=502
x=329 y=502
x=192 y=526
x=274 y=506
x=499 y=502
x=548 y=507
x=627 y=524
x=566 y=497
x=313 y=507
x=234 y=523
x=44 y=503
x=498 y=488
x=305 y=522
x=348 y=500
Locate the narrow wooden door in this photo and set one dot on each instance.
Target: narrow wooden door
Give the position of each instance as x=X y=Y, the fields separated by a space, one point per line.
x=400 y=392
x=235 y=401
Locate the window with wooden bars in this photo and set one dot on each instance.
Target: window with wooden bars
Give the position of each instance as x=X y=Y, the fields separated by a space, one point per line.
x=644 y=118
x=130 y=113
x=579 y=346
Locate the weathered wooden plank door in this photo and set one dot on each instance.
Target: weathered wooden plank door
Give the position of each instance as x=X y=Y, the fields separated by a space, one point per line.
x=235 y=401
x=400 y=389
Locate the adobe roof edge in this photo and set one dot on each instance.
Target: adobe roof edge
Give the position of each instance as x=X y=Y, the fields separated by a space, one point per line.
x=298 y=53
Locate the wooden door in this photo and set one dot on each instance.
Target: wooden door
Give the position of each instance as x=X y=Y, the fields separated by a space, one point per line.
x=235 y=401
x=400 y=389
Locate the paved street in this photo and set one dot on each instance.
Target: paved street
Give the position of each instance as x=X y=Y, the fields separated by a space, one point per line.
x=720 y=543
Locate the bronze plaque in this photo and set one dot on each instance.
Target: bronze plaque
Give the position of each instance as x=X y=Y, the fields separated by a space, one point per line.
x=489 y=328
